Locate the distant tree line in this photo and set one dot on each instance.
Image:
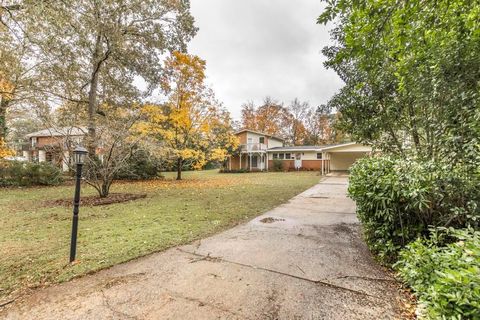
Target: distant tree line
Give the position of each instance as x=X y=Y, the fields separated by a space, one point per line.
x=297 y=122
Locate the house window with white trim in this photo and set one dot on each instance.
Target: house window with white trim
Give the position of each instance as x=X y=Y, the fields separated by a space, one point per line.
x=34 y=141
x=288 y=156
x=281 y=156
x=275 y=156
x=319 y=156
x=261 y=140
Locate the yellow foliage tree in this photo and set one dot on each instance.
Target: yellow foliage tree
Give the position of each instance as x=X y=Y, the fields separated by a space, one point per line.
x=4 y=150
x=191 y=126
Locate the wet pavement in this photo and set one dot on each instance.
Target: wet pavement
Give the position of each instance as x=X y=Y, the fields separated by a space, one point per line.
x=302 y=260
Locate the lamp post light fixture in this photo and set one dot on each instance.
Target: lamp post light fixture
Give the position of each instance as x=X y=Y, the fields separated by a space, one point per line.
x=79 y=155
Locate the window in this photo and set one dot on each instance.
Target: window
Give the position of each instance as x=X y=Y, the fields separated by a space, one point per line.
x=275 y=156
x=34 y=141
x=282 y=155
x=261 y=140
x=319 y=156
x=287 y=156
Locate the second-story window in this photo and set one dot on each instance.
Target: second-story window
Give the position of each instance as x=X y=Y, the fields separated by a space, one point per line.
x=34 y=141
x=261 y=140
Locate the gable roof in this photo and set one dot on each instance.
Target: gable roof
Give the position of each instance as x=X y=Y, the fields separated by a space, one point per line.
x=260 y=133
x=59 y=132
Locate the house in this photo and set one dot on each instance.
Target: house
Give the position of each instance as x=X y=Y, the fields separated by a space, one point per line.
x=53 y=145
x=259 y=151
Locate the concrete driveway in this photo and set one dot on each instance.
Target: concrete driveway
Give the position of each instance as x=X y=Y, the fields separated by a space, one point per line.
x=302 y=260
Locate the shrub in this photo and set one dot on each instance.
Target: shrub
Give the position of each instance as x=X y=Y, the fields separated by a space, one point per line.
x=141 y=166
x=398 y=199
x=277 y=165
x=16 y=173
x=445 y=278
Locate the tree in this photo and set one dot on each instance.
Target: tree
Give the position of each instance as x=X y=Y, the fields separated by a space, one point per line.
x=271 y=117
x=188 y=124
x=5 y=151
x=297 y=113
x=411 y=74
x=117 y=145
x=18 y=76
x=92 y=51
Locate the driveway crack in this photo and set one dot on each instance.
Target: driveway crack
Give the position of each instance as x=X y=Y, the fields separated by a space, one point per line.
x=112 y=309
x=318 y=282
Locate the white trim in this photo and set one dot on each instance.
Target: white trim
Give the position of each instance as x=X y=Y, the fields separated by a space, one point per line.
x=340 y=145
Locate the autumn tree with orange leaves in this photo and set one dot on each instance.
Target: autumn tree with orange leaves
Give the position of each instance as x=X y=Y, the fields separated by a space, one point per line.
x=191 y=126
x=298 y=123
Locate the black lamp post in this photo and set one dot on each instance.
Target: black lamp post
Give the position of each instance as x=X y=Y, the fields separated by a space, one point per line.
x=79 y=155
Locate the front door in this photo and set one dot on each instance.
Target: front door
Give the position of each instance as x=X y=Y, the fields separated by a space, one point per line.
x=254 y=161
x=298 y=161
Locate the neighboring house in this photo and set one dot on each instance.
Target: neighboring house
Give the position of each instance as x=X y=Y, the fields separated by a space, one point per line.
x=258 y=151
x=53 y=145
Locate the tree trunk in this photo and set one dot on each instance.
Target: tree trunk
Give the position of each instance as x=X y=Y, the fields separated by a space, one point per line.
x=104 y=190
x=92 y=99
x=179 y=168
x=3 y=118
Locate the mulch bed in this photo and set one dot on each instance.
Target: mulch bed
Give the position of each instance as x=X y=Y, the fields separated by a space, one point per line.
x=96 y=201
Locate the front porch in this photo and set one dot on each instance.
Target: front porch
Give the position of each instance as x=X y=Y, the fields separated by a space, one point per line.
x=249 y=160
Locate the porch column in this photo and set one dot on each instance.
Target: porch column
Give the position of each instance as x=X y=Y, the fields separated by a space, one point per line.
x=42 y=156
x=329 y=162
x=250 y=162
x=266 y=161
x=240 y=165
x=65 y=161
x=230 y=163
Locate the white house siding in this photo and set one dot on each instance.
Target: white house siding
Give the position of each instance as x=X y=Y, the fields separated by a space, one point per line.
x=306 y=155
x=273 y=143
x=254 y=137
x=310 y=155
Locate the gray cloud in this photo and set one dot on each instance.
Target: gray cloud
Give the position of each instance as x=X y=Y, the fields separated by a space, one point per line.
x=258 y=48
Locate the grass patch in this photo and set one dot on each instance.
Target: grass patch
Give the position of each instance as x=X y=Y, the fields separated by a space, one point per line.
x=34 y=239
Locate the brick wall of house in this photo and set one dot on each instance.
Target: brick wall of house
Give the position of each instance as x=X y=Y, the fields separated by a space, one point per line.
x=236 y=162
x=290 y=164
x=312 y=164
x=242 y=137
x=42 y=141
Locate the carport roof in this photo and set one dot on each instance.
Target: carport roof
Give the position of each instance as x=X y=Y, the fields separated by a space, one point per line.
x=311 y=148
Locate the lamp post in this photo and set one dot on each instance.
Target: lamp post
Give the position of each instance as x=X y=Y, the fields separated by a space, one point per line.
x=79 y=155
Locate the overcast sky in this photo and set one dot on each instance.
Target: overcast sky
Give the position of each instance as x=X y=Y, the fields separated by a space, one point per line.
x=259 y=48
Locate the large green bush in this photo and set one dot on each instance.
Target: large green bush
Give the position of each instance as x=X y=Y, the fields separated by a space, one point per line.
x=16 y=173
x=141 y=166
x=398 y=199
x=445 y=278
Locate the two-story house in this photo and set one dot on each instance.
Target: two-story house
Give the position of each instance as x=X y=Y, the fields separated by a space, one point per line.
x=258 y=152
x=252 y=153
x=53 y=145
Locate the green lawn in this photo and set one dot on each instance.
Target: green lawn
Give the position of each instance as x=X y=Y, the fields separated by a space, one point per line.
x=35 y=239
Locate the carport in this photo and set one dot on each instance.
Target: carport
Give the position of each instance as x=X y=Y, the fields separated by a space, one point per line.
x=342 y=157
